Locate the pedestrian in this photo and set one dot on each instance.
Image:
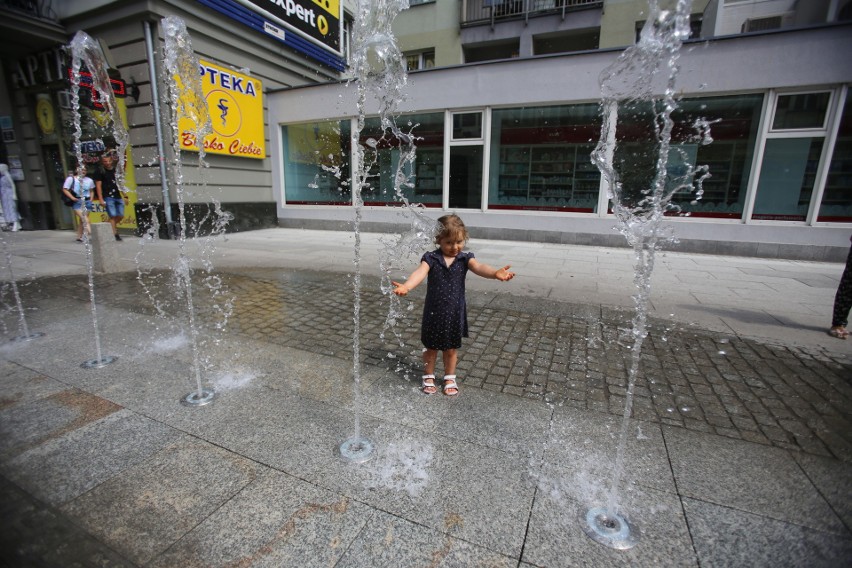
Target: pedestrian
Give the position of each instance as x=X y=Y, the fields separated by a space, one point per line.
x=110 y=195
x=79 y=188
x=842 y=302
x=9 y=199
x=445 y=310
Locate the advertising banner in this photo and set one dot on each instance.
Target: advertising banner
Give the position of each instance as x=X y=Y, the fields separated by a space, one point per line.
x=320 y=21
x=235 y=105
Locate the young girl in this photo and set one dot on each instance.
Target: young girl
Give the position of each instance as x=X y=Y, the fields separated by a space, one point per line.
x=445 y=310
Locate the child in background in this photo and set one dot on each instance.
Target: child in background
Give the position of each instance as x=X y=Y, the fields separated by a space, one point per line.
x=445 y=310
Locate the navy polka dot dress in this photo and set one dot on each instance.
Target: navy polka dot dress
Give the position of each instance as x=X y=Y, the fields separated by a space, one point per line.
x=445 y=310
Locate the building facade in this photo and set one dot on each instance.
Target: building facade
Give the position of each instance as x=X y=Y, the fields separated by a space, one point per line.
x=506 y=143
x=247 y=53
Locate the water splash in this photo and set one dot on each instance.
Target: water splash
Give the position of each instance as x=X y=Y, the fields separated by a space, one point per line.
x=24 y=329
x=643 y=177
x=86 y=51
x=378 y=70
x=187 y=100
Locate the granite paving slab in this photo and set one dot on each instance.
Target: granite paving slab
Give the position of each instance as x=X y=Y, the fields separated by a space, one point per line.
x=833 y=479
x=276 y=520
x=731 y=537
x=555 y=536
x=35 y=534
x=584 y=446
x=146 y=508
x=389 y=542
x=20 y=384
x=748 y=477
x=65 y=467
x=30 y=424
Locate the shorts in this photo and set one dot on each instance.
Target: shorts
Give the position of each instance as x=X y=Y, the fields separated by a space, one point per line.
x=78 y=205
x=114 y=206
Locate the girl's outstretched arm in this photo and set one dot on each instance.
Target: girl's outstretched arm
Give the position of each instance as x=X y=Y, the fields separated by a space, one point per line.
x=412 y=281
x=482 y=269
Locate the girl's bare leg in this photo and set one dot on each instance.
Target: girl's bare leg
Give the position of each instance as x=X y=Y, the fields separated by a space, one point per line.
x=430 y=357
x=450 y=359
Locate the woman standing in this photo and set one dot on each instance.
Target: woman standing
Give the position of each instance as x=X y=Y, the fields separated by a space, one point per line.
x=9 y=199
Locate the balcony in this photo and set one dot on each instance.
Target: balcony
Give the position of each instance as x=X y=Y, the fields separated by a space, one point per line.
x=479 y=12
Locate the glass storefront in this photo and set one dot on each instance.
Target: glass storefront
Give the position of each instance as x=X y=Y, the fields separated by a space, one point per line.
x=539 y=159
x=836 y=203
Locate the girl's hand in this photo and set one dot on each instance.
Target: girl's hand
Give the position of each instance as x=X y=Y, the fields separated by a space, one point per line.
x=400 y=289
x=503 y=274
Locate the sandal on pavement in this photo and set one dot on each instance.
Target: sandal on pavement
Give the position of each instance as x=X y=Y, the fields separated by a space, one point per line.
x=839 y=332
x=450 y=386
x=429 y=384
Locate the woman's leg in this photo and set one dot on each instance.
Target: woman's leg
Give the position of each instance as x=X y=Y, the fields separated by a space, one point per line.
x=843 y=297
x=80 y=222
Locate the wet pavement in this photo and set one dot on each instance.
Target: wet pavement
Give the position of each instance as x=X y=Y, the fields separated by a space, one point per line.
x=738 y=452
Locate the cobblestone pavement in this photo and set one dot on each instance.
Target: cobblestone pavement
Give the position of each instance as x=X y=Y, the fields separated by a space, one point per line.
x=559 y=353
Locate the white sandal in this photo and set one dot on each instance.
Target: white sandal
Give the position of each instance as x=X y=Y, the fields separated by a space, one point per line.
x=429 y=385
x=450 y=384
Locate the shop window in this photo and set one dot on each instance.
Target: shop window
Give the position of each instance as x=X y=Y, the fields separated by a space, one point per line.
x=540 y=158
x=836 y=203
x=419 y=174
x=791 y=157
x=787 y=178
x=316 y=163
x=733 y=122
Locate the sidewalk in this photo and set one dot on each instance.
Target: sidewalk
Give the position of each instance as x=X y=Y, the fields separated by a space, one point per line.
x=785 y=302
x=738 y=453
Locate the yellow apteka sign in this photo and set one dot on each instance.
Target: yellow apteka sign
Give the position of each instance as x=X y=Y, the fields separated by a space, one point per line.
x=235 y=105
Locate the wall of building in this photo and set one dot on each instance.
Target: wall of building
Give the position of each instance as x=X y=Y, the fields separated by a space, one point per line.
x=805 y=58
x=434 y=25
x=243 y=185
x=618 y=23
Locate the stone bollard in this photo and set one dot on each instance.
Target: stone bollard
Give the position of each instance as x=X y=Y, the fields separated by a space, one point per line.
x=105 y=249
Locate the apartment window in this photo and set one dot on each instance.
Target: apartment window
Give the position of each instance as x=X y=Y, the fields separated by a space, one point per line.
x=492 y=51
x=316 y=163
x=695 y=23
x=420 y=60
x=421 y=168
x=566 y=42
